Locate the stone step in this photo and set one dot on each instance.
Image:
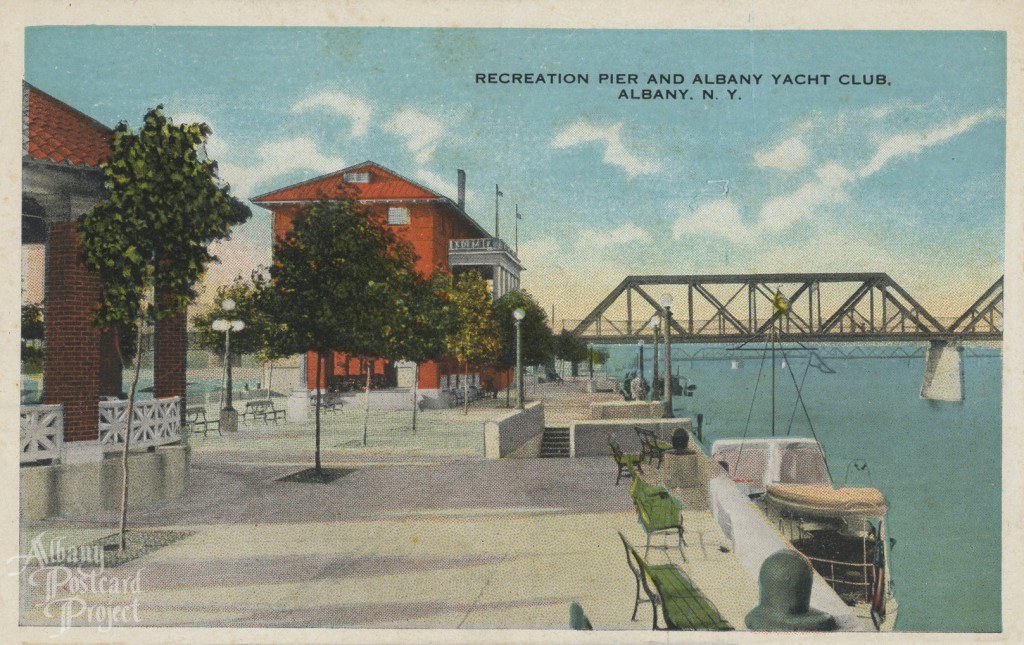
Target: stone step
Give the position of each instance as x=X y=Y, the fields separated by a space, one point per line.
x=555 y=443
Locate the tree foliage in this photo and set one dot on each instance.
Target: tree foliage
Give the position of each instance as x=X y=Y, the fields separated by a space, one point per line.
x=569 y=347
x=343 y=281
x=262 y=335
x=423 y=320
x=335 y=281
x=164 y=208
x=476 y=337
x=149 y=238
x=538 y=340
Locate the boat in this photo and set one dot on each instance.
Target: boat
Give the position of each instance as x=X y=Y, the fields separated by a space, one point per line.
x=841 y=530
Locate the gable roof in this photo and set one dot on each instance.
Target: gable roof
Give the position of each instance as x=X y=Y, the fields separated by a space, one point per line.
x=384 y=185
x=54 y=131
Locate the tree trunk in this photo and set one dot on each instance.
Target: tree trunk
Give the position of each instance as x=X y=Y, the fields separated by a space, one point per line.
x=508 y=392
x=465 y=390
x=366 y=404
x=123 y=528
x=270 y=378
x=319 y=369
x=415 y=387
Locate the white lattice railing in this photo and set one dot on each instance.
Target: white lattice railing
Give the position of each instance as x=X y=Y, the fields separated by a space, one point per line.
x=154 y=423
x=42 y=432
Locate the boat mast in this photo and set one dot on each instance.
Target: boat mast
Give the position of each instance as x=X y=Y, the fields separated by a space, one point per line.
x=773 y=377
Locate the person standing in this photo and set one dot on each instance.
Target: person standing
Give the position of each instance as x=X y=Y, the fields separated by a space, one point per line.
x=638 y=388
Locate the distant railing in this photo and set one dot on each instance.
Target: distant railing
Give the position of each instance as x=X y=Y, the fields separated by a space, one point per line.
x=479 y=244
x=42 y=432
x=154 y=423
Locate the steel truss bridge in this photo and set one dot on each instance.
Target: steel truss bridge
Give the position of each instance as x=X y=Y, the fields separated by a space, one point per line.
x=823 y=307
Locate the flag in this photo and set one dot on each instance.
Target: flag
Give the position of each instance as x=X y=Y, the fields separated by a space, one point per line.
x=780 y=302
x=518 y=214
x=497 y=191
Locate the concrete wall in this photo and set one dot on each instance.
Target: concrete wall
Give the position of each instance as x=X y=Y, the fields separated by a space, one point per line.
x=590 y=438
x=71 y=489
x=627 y=410
x=503 y=436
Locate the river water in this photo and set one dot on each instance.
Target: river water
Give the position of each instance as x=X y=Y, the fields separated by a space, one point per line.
x=938 y=464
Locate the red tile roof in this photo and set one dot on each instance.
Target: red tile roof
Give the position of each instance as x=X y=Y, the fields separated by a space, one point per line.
x=384 y=184
x=55 y=131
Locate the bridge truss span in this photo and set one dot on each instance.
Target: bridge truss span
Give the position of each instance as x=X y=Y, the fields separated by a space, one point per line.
x=823 y=307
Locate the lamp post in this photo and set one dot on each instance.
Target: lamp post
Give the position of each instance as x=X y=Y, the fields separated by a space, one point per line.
x=656 y=324
x=666 y=321
x=228 y=415
x=640 y=358
x=518 y=315
x=590 y=357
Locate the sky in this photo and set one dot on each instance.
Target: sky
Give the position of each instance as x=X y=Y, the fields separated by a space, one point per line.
x=904 y=175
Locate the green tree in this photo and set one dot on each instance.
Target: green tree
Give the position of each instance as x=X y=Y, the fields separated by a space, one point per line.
x=335 y=286
x=475 y=338
x=538 y=339
x=149 y=238
x=570 y=348
x=262 y=336
x=423 y=325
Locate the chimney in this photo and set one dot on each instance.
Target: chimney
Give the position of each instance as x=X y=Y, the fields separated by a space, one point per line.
x=462 y=189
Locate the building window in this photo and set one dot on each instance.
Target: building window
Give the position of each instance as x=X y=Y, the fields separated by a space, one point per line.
x=357 y=178
x=398 y=215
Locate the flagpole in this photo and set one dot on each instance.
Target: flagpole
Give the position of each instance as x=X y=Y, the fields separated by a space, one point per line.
x=517 y=230
x=497 y=193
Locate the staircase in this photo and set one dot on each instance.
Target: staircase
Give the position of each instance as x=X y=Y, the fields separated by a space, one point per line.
x=555 y=443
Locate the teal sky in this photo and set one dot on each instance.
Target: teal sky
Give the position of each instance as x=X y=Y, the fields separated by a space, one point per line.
x=906 y=177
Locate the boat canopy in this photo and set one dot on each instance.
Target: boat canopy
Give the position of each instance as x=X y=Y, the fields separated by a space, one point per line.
x=755 y=463
x=806 y=499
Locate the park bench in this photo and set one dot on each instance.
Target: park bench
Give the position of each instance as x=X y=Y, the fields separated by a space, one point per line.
x=651 y=446
x=658 y=511
x=329 y=401
x=262 y=409
x=682 y=604
x=195 y=418
x=624 y=460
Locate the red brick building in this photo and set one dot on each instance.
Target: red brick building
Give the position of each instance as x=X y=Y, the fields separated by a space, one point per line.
x=441 y=234
x=63 y=154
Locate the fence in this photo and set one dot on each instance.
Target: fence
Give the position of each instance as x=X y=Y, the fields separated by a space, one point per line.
x=154 y=423
x=42 y=432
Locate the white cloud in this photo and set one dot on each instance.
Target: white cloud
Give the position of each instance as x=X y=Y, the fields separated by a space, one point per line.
x=357 y=110
x=438 y=183
x=277 y=158
x=790 y=155
x=420 y=132
x=912 y=143
x=615 y=152
x=827 y=188
x=628 y=233
x=719 y=218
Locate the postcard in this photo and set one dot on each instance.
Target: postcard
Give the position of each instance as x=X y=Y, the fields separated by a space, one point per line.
x=393 y=324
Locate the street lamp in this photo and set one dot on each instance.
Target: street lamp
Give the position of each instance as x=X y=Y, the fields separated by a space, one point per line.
x=656 y=325
x=666 y=321
x=518 y=315
x=590 y=357
x=228 y=415
x=640 y=357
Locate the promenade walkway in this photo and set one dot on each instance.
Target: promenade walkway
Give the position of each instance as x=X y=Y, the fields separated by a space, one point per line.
x=417 y=534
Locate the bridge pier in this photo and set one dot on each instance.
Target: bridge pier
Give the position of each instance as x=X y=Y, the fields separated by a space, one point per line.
x=943 y=372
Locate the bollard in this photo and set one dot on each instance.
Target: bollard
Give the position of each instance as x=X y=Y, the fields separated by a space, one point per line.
x=785 y=582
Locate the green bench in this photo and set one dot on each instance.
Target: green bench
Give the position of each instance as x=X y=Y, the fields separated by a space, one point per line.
x=682 y=604
x=658 y=511
x=651 y=446
x=624 y=460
